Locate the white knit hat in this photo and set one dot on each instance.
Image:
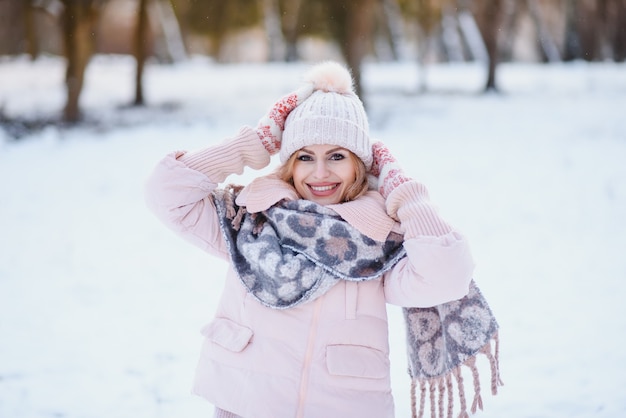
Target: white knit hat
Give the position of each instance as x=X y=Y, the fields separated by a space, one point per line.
x=333 y=114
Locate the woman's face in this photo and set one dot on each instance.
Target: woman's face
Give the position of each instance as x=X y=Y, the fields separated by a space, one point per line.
x=323 y=173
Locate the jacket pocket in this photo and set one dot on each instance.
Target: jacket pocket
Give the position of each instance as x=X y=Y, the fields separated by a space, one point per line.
x=356 y=361
x=228 y=334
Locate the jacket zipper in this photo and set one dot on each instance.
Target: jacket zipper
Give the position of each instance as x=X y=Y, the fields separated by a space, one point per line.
x=306 y=364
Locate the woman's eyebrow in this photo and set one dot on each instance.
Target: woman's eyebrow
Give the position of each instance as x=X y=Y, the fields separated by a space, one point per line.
x=330 y=151
x=335 y=150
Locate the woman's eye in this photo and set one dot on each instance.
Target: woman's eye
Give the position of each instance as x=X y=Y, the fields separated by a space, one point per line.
x=304 y=157
x=337 y=157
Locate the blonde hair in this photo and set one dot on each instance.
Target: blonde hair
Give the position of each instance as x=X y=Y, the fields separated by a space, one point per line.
x=354 y=191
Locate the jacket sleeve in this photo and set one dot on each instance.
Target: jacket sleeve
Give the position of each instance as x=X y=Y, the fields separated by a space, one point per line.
x=178 y=190
x=439 y=265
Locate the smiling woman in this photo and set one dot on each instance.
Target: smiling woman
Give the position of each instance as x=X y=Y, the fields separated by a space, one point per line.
x=325 y=146
x=315 y=256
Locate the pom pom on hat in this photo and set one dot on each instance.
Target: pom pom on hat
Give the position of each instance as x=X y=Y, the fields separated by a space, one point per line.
x=330 y=76
x=332 y=115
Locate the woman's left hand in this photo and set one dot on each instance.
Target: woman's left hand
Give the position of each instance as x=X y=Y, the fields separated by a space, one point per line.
x=386 y=168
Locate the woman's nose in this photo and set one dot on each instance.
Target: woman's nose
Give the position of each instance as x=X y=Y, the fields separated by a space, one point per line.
x=321 y=169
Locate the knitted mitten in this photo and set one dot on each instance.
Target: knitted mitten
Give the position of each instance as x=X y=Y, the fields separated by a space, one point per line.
x=405 y=199
x=387 y=169
x=271 y=125
x=247 y=148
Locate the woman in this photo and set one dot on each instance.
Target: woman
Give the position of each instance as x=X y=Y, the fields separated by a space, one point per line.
x=314 y=255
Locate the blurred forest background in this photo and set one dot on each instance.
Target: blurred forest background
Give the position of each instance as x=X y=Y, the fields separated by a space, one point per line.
x=353 y=31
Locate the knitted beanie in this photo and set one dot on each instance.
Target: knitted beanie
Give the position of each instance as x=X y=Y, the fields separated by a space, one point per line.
x=332 y=115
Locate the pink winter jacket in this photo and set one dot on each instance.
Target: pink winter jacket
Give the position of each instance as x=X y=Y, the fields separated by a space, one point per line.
x=328 y=358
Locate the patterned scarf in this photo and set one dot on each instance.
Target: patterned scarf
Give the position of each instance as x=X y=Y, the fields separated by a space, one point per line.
x=297 y=250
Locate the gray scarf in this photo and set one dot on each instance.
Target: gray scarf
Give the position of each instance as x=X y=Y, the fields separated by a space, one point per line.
x=297 y=250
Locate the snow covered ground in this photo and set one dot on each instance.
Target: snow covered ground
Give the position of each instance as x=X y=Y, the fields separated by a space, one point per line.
x=100 y=305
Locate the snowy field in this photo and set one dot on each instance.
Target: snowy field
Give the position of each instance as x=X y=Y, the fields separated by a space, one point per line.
x=101 y=306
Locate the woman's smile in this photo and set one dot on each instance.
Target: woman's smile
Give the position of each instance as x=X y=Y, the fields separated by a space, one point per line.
x=324 y=190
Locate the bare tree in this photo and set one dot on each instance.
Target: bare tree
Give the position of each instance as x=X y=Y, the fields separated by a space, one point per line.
x=615 y=27
x=472 y=36
x=393 y=23
x=12 y=22
x=358 y=33
x=546 y=40
x=32 y=43
x=437 y=30
x=275 y=39
x=165 y=18
x=291 y=16
x=488 y=14
x=78 y=22
x=350 y=23
x=429 y=15
x=141 y=30
x=572 y=48
x=590 y=28
x=619 y=36
x=216 y=18
x=595 y=30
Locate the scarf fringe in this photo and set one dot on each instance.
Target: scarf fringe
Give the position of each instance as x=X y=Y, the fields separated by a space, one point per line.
x=233 y=212
x=236 y=213
x=439 y=387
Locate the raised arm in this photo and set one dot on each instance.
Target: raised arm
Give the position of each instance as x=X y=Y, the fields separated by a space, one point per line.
x=439 y=266
x=178 y=190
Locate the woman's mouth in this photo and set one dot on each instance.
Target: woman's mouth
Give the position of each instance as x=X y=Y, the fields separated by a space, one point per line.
x=323 y=189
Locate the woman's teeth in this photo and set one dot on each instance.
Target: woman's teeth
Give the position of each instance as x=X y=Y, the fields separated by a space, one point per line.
x=322 y=188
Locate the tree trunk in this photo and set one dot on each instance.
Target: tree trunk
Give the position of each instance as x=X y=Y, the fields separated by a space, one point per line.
x=358 y=29
x=619 y=37
x=12 y=21
x=489 y=18
x=273 y=30
x=614 y=24
x=450 y=35
x=141 y=30
x=173 y=39
x=602 y=27
x=32 y=44
x=548 y=46
x=471 y=34
x=393 y=26
x=290 y=20
x=78 y=17
x=510 y=20
x=424 y=41
x=587 y=28
x=573 y=48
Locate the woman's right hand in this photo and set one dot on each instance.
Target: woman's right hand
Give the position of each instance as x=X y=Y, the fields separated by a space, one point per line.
x=271 y=125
